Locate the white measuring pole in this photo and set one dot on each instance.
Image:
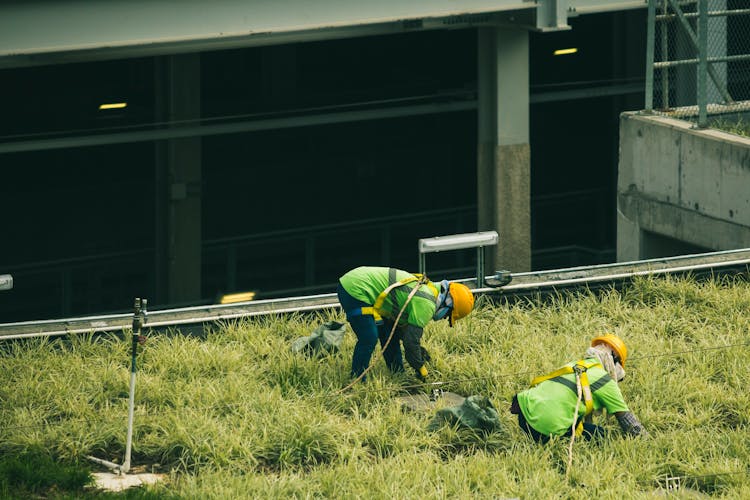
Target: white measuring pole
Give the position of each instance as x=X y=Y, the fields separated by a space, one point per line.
x=129 y=443
x=138 y=320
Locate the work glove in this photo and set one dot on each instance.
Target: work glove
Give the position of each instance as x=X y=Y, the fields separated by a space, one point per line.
x=422 y=374
x=630 y=424
x=425 y=354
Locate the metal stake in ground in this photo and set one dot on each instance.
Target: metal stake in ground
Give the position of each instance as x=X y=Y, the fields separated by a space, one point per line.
x=139 y=318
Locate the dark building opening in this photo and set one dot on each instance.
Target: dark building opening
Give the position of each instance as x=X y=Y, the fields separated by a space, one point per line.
x=374 y=147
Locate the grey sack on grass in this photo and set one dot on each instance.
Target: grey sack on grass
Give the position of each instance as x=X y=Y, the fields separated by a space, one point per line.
x=476 y=412
x=325 y=339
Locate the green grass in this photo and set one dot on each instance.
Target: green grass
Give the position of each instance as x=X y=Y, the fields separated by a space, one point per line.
x=238 y=415
x=20 y=474
x=734 y=126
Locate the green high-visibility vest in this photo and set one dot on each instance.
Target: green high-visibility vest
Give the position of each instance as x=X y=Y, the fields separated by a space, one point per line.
x=387 y=289
x=549 y=405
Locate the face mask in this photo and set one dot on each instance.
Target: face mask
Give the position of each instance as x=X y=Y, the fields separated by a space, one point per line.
x=445 y=303
x=619 y=372
x=441 y=312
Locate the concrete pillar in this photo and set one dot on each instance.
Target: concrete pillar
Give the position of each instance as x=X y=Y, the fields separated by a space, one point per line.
x=178 y=183
x=629 y=247
x=504 y=154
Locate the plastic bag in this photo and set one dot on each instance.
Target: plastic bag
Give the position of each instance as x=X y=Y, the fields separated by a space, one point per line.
x=325 y=339
x=476 y=412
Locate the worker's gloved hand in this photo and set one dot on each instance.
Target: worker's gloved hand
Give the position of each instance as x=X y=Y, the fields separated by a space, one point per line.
x=425 y=354
x=630 y=424
x=422 y=374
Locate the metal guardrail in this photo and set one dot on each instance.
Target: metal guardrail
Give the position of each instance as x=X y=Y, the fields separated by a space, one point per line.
x=522 y=283
x=227 y=262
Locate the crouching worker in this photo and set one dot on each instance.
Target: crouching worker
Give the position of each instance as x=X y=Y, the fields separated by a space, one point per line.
x=373 y=297
x=550 y=406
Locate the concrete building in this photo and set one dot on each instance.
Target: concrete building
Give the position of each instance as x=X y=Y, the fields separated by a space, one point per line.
x=182 y=151
x=681 y=190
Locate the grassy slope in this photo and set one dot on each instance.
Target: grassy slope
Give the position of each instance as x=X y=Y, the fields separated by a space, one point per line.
x=238 y=415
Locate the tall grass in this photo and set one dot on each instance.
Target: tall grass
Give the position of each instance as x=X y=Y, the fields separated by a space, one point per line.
x=237 y=414
x=736 y=126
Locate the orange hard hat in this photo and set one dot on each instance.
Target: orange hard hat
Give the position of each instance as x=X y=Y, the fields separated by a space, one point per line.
x=615 y=343
x=463 y=301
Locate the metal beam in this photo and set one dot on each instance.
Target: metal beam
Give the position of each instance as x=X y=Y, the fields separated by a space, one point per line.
x=35 y=32
x=203 y=130
x=254 y=125
x=40 y=31
x=578 y=7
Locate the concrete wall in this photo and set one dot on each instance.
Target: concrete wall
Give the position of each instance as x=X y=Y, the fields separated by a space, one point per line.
x=680 y=183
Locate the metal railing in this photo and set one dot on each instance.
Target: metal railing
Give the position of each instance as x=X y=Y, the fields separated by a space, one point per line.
x=279 y=263
x=247 y=262
x=73 y=285
x=298 y=261
x=698 y=59
x=523 y=284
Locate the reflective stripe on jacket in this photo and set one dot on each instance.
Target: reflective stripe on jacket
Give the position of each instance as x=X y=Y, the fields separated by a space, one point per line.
x=367 y=283
x=549 y=406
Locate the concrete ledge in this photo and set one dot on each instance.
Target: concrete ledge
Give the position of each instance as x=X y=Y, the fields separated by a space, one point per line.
x=687 y=225
x=681 y=182
x=119 y=482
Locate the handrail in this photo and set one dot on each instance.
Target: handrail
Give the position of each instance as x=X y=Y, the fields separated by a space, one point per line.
x=61 y=274
x=522 y=284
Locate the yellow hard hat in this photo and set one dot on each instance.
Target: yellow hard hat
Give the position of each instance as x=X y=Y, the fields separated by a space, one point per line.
x=615 y=343
x=463 y=301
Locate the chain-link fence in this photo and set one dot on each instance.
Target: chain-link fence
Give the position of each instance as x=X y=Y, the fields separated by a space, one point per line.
x=698 y=60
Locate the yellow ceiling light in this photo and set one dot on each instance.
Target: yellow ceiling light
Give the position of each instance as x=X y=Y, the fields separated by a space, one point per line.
x=564 y=52
x=113 y=105
x=237 y=297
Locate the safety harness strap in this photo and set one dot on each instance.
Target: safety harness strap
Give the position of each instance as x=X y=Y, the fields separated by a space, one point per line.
x=565 y=370
x=364 y=311
x=579 y=368
x=586 y=388
x=376 y=310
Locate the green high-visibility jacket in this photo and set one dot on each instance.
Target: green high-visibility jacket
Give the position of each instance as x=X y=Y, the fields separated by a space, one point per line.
x=549 y=407
x=367 y=283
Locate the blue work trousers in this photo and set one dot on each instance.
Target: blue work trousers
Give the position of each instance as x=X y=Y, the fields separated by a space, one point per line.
x=368 y=332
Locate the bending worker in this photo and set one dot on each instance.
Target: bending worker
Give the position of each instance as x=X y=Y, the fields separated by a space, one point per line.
x=373 y=297
x=550 y=406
